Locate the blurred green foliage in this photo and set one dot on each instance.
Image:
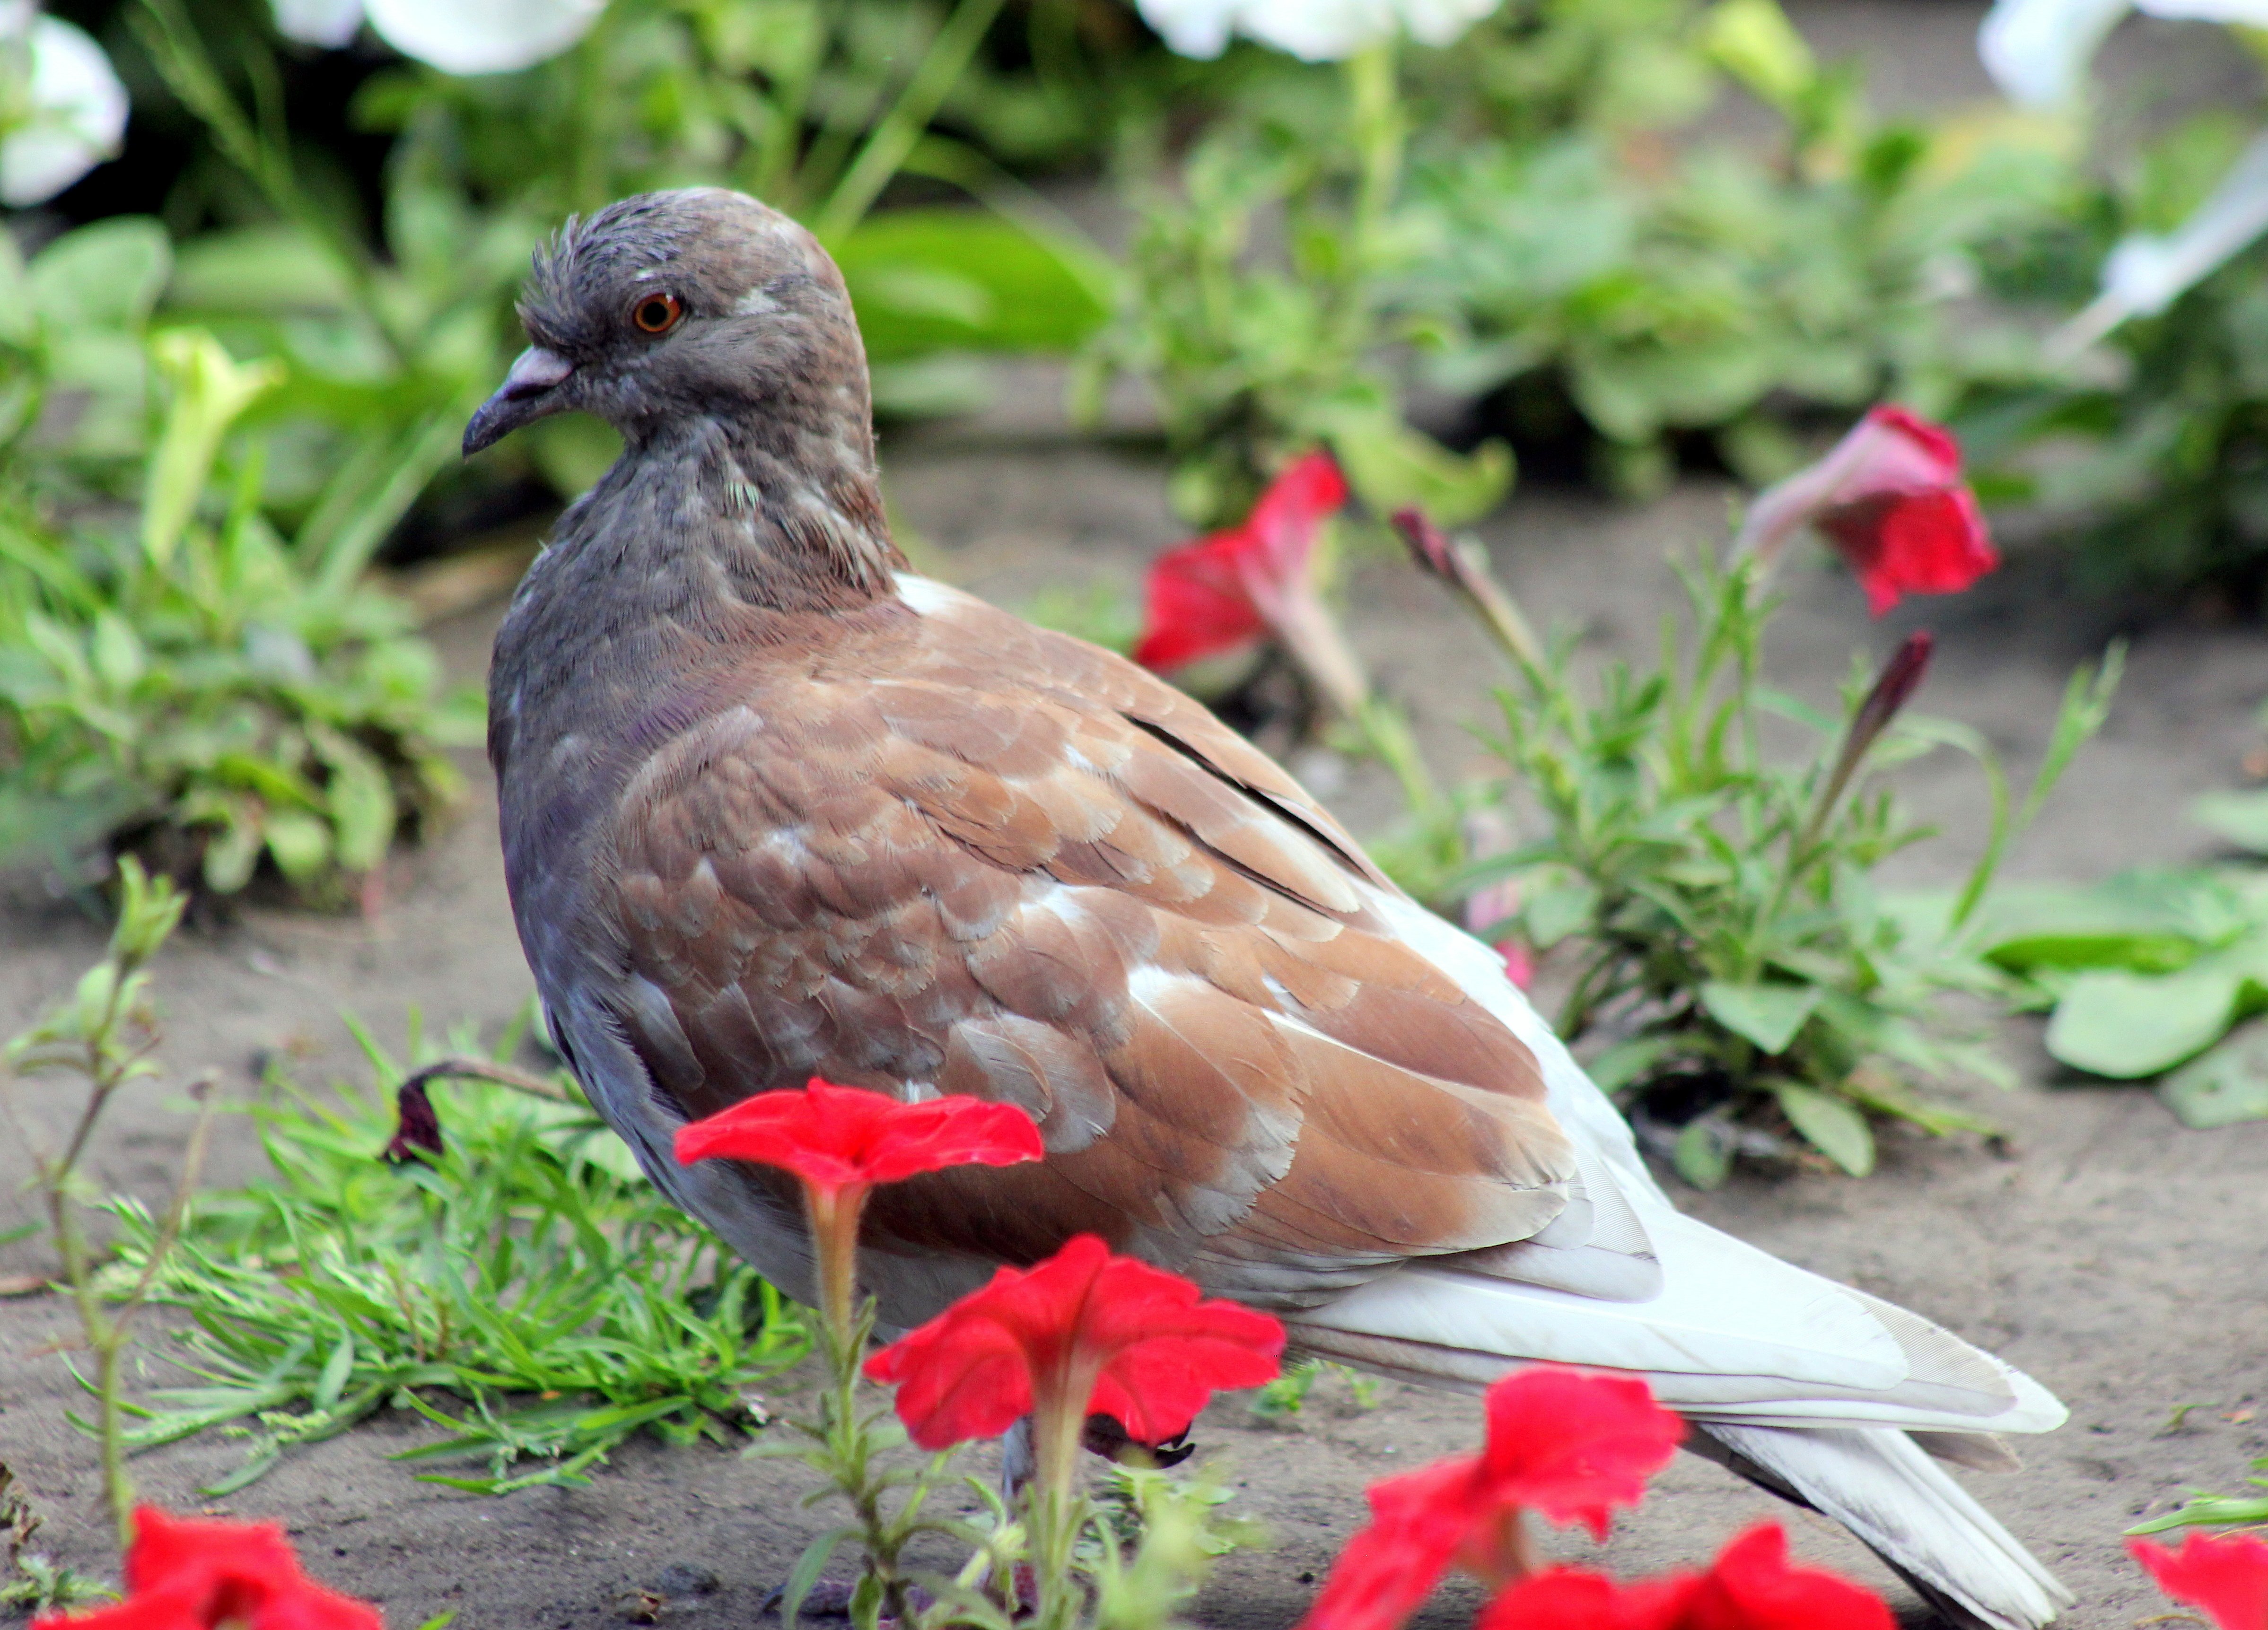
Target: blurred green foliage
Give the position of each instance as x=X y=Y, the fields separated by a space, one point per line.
x=1527 y=222
x=2152 y=461
x=177 y=678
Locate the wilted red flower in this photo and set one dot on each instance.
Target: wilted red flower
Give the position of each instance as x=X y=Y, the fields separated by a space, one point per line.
x=1891 y=498
x=1566 y=1442
x=188 y=1575
x=2227 y=1574
x=1085 y=1332
x=416 y=1128
x=835 y=1138
x=1750 y=1587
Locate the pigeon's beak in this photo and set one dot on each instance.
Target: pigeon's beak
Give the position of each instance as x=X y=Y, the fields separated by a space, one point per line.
x=528 y=392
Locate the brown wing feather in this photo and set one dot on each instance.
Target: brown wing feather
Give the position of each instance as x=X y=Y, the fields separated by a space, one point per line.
x=968 y=856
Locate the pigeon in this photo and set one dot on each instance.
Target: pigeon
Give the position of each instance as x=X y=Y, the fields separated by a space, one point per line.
x=774 y=806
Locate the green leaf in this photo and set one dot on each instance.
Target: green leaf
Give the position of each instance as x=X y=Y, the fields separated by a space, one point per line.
x=300 y=842
x=1629 y=1060
x=924 y=281
x=1392 y=466
x=1832 y=1126
x=2129 y=1025
x=2240 y=817
x=1768 y=1015
x=231 y=856
x=118 y=654
x=1703 y=1156
x=1753 y=41
x=333 y=1380
x=807 y=1571
x=1551 y=913
x=2225 y=1085
x=257 y=271
x=2152 y=922
x=361 y=801
x=107 y=274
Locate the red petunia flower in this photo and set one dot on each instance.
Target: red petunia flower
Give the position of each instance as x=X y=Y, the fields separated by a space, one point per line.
x=1573 y=1445
x=1225 y=591
x=836 y=1138
x=1083 y=1333
x=186 y=1575
x=1750 y=1587
x=1891 y=498
x=1211 y=597
x=2227 y=1574
x=1575 y=1599
x=840 y=1142
x=1568 y=1444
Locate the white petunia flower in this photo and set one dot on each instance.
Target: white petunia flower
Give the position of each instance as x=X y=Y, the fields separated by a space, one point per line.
x=326 y=23
x=2147 y=273
x=2251 y=13
x=1316 y=30
x=72 y=109
x=455 y=36
x=2037 y=51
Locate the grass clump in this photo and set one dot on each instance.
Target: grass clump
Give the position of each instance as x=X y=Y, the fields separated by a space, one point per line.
x=523 y=1288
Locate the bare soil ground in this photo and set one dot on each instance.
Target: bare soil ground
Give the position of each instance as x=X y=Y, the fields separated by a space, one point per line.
x=2114 y=1254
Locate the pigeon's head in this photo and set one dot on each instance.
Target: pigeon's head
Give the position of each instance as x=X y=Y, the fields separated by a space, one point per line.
x=670 y=307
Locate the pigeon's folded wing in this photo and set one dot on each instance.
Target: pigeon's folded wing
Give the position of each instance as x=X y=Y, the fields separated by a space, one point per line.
x=970 y=857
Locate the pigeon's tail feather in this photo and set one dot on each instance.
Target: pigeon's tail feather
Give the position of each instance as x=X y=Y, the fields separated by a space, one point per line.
x=1880 y=1484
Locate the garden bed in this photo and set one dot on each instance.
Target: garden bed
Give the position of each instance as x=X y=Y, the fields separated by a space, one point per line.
x=2102 y=1247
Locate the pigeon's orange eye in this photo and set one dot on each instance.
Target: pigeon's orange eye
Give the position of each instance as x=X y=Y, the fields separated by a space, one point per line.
x=656 y=313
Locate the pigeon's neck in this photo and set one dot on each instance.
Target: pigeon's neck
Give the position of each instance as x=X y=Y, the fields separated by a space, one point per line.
x=771 y=513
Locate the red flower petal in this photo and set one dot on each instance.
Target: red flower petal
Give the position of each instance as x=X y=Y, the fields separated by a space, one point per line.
x=1891 y=498
x=1574 y=1598
x=1209 y=597
x=1284 y=523
x=2227 y=1574
x=1912 y=543
x=833 y=1136
x=1567 y=1442
x=1751 y=1587
x=1157 y=1350
x=1572 y=1444
x=1931 y=442
x=1195 y=606
x=186 y=1575
x=169 y=1548
x=1419 y=1521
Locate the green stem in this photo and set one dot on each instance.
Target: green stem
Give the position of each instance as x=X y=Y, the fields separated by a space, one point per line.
x=166 y=32
x=1375 y=109
x=834 y=1217
x=902 y=127
x=1390 y=737
x=1058 y=1422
